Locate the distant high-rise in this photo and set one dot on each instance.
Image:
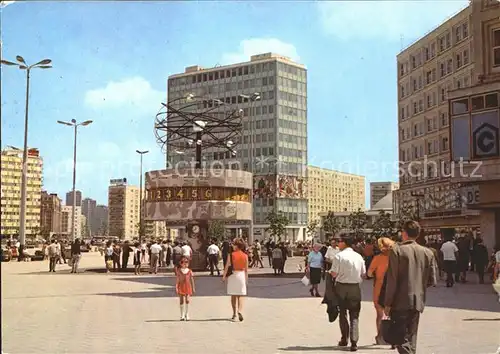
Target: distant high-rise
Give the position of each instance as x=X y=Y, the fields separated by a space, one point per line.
x=50 y=214
x=99 y=224
x=379 y=190
x=69 y=198
x=123 y=210
x=66 y=221
x=88 y=210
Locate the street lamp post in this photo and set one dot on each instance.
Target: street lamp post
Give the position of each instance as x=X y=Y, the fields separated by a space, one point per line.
x=252 y=98
x=21 y=64
x=74 y=124
x=140 y=195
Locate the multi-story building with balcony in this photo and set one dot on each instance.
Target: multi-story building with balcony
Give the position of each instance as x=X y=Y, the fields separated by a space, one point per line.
x=330 y=190
x=11 y=177
x=123 y=210
x=277 y=124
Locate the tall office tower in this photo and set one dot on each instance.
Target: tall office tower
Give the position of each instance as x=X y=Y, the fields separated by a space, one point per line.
x=88 y=210
x=330 y=190
x=123 y=210
x=379 y=190
x=11 y=179
x=69 y=198
x=50 y=214
x=99 y=224
x=67 y=220
x=277 y=122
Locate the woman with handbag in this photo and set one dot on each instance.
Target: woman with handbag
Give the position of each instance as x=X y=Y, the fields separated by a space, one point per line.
x=378 y=268
x=236 y=274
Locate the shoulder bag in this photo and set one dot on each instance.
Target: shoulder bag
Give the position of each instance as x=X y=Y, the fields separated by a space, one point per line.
x=230 y=268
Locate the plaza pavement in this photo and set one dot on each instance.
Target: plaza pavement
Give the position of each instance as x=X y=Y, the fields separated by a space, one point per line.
x=122 y=313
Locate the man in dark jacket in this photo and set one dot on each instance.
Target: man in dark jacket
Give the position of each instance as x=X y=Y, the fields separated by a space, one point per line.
x=480 y=258
x=411 y=271
x=126 y=250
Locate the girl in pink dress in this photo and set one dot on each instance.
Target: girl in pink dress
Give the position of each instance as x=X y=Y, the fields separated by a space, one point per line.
x=184 y=286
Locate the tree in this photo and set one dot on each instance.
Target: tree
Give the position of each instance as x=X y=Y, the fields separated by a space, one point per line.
x=217 y=230
x=311 y=228
x=331 y=224
x=357 y=223
x=277 y=224
x=383 y=226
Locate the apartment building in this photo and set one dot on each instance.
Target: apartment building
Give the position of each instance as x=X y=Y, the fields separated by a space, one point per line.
x=99 y=224
x=330 y=190
x=475 y=124
x=123 y=210
x=69 y=198
x=276 y=123
x=11 y=177
x=67 y=221
x=88 y=209
x=50 y=214
x=379 y=190
x=428 y=71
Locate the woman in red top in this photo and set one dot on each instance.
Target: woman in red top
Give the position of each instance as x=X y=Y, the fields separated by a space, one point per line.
x=184 y=286
x=238 y=280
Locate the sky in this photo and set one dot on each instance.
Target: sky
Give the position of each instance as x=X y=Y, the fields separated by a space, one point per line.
x=111 y=62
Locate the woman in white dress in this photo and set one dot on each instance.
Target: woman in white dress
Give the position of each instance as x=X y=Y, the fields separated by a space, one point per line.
x=236 y=274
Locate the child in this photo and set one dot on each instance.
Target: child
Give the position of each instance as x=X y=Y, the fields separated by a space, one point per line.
x=137 y=258
x=184 y=286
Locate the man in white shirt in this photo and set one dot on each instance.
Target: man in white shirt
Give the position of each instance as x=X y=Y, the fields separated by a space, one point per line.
x=348 y=269
x=213 y=257
x=155 y=257
x=330 y=254
x=187 y=250
x=450 y=255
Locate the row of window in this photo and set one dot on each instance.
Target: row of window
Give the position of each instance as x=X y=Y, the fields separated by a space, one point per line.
x=431 y=171
x=433 y=146
x=445 y=68
x=441 y=44
x=419 y=129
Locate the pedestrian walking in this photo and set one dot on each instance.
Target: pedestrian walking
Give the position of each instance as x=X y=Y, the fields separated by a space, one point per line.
x=226 y=248
x=108 y=256
x=176 y=253
x=213 y=257
x=76 y=254
x=126 y=250
x=450 y=256
x=168 y=256
x=236 y=275
x=348 y=269
x=410 y=272
x=184 y=286
x=137 y=258
x=480 y=258
x=314 y=267
x=117 y=250
x=154 y=252
x=54 y=255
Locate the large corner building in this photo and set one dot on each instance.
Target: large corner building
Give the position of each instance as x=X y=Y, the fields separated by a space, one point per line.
x=448 y=104
x=277 y=122
x=123 y=210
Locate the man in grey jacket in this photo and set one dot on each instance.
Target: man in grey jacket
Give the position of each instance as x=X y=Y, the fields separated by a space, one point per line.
x=412 y=269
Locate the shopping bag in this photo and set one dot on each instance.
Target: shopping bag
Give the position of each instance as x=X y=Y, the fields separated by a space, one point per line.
x=305 y=280
x=392 y=331
x=109 y=264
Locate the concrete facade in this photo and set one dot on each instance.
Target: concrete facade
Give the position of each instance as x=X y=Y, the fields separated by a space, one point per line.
x=123 y=211
x=69 y=198
x=11 y=179
x=379 y=190
x=50 y=214
x=66 y=221
x=330 y=190
x=277 y=123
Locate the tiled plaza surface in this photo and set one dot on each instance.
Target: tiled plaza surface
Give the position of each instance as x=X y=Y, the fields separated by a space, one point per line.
x=123 y=313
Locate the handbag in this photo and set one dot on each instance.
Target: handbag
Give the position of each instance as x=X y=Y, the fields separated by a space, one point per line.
x=230 y=268
x=393 y=332
x=305 y=280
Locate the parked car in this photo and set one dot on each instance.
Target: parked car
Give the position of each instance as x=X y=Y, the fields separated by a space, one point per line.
x=38 y=256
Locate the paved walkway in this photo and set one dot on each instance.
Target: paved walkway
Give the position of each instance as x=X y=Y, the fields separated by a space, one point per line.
x=122 y=313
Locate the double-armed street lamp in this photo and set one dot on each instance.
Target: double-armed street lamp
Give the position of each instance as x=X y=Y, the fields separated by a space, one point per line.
x=252 y=99
x=141 y=153
x=75 y=125
x=22 y=65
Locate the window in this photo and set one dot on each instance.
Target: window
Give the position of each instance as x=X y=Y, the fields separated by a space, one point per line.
x=496 y=47
x=444 y=119
x=466 y=57
x=444 y=144
x=458 y=60
x=492 y=100
x=448 y=40
x=402 y=91
x=465 y=29
x=458 y=33
x=401 y=70
x=441 y=44
x=460 y=106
